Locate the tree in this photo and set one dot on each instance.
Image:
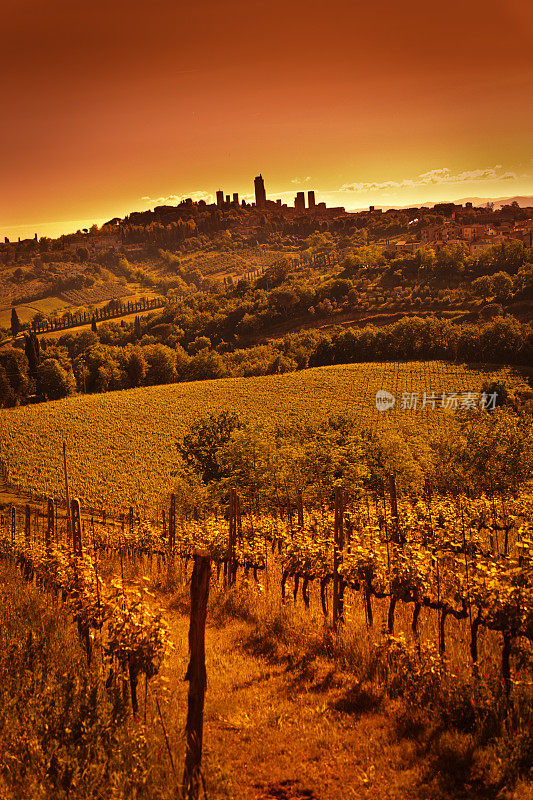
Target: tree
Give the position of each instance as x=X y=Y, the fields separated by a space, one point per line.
x=491 y=451
x=497 y=389
x=426 y=259
x=7 y=396
x=136 y=367
x=247 y=459
x=281 y=364
x=483 y=287
x=201 y=447
x=282 y=300
x=501 y=340
x=93 y=325
x=39 y=320
x=320 y=242
x=502 y=285
x=82 y=342
x=351 y=265
x=53 y=381
x=15 y=323
x=389 y=453
x=161 y=362
x=15 y=365
x=105 y=368
x=205 y=365
x=200 y=343
x=31 y=348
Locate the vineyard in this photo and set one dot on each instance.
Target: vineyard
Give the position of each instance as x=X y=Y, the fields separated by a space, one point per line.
x=96 y=294
x=239 y=262
x=125 y=442
x=461 y=569
x=428 y=598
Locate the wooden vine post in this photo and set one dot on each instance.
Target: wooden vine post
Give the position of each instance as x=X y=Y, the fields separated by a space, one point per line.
x=196 y=674
x=172 y=524
x=27 y=525
x=396 y=535
x=75 y=514
x=13 y=523
x=49 y=535
x=230 y=568
x=238 y=517
x=338 y=547
x=67 y=495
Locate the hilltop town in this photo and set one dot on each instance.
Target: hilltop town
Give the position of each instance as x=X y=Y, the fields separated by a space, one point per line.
x=236 y=288
x=400 y=230
x=278 y=267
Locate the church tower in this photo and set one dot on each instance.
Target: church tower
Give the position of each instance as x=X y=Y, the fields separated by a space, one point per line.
x=260 y=195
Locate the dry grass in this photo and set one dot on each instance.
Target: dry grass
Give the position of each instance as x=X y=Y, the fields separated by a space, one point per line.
x=62 y=734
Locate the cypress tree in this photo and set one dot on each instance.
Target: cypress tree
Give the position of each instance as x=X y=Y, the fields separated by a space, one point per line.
x=15 y=322
x=31 y=348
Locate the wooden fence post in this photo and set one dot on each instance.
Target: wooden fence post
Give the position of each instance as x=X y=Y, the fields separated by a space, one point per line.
x=338 y=547
x=76 y=526
x=196 y=674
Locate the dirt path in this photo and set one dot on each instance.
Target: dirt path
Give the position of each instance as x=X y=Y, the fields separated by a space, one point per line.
x=273 y=733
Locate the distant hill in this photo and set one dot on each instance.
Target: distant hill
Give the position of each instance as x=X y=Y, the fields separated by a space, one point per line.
x=524 y=201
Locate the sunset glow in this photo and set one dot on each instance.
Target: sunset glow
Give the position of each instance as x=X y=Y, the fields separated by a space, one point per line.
x=116 y=108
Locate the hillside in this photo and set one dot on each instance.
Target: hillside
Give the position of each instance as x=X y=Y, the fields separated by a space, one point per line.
x=122 y=445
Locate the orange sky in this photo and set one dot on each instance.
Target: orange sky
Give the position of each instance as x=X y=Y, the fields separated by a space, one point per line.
x=109 y=107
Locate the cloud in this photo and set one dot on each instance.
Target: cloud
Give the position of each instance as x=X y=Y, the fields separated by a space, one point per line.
x=301 y=180
x=433 y=177
x=174 y=199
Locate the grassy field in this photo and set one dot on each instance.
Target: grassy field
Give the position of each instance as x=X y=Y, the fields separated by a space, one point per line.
x=122 y=445
x=27 y=312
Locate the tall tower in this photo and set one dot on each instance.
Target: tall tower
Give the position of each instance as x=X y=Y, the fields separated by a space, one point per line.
x=260 y=194
x=311 y=200
x=299 y=202
x=220 y=198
